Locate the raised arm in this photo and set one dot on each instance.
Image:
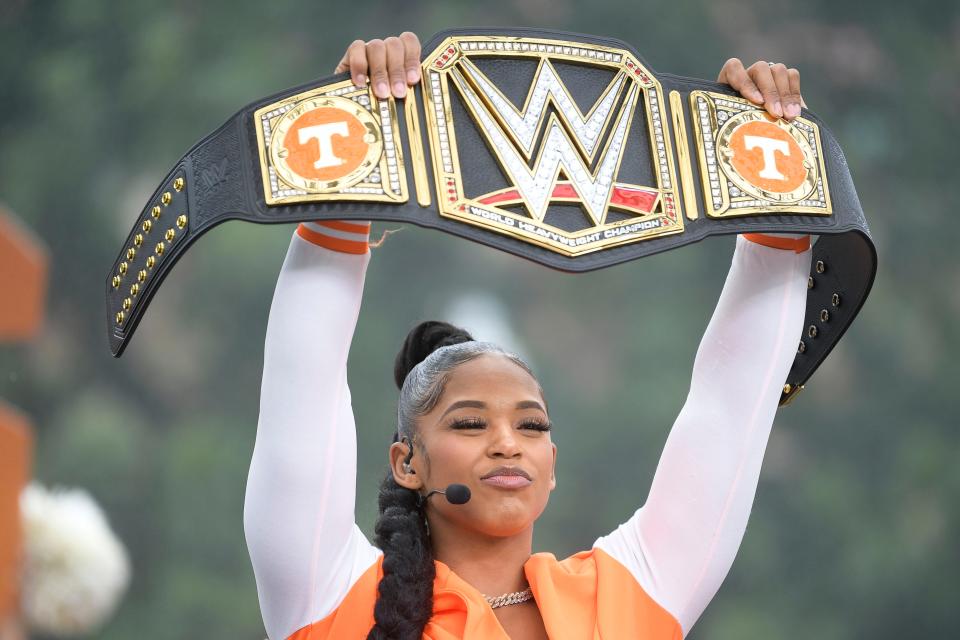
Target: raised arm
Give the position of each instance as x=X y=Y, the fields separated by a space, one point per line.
x=299 y=509
x=679 y=546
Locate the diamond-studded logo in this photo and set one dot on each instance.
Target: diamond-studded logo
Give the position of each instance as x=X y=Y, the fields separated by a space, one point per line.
x=769 y=160
x=325 y=144
x=767 y=157
x=753 y=164
x=330 y=143
x=558 y=151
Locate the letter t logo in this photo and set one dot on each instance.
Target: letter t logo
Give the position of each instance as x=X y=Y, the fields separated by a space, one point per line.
x=768 y=146
x=323 y=133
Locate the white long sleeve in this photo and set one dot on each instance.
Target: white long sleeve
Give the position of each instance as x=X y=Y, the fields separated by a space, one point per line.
x=305 y=547
x=680 y=545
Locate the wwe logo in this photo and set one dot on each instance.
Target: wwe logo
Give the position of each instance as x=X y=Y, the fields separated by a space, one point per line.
x=214 y=174
x=536 y=185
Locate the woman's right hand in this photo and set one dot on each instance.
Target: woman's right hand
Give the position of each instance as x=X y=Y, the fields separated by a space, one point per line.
x=769 y=84
x=390 y=64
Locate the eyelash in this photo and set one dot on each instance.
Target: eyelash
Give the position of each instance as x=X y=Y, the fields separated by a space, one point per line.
x=476 y=423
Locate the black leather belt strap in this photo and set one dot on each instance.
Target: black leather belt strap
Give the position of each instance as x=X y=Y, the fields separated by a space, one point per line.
x=565 y=149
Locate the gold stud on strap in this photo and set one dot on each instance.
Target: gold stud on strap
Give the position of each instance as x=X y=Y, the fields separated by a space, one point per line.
x=790 y=392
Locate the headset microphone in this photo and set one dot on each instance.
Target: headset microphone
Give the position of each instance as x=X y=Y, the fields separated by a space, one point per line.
x=455 y=493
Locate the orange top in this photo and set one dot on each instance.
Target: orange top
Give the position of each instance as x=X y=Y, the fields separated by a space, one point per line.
x=588 y=595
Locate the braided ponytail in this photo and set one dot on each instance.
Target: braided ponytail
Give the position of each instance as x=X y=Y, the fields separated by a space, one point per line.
x=430 y=353
x=405 y=594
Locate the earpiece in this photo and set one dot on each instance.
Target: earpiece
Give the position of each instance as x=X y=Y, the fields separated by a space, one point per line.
x=407 y=468
x=455 y=493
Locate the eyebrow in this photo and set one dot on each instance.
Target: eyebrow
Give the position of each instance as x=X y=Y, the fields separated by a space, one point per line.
x=478 y=404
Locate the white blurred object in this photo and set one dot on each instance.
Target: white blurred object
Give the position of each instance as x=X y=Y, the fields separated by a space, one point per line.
x=75 y=569
x=487 y=319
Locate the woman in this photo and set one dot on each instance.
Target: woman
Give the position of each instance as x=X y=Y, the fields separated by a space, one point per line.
x=474 y=415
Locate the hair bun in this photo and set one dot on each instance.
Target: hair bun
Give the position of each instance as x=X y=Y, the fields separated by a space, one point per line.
x=424 y=339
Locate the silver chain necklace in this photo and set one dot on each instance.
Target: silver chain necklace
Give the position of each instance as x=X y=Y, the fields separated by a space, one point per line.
x=510 y=598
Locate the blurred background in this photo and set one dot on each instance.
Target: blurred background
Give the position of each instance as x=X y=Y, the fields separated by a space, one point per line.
x=855 y=527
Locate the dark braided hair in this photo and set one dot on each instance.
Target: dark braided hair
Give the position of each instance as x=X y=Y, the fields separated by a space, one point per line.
x=405 y=594
x=430 y=353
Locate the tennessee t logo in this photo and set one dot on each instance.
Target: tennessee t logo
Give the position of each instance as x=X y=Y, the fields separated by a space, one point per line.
x=323 y=133
x=768 y=146
x=766 y=156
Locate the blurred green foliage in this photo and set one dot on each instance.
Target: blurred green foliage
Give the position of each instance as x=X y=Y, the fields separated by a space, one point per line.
x=854 y=532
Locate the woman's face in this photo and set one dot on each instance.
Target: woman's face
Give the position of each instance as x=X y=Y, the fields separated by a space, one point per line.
x=489 y=431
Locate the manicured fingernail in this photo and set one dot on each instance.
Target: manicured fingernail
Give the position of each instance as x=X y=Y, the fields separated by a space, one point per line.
x=399 y=89
x=412 y=76
x=361 y=80
x=793 y=110
x=777 y=109
x=382 y=90
x=757 y=97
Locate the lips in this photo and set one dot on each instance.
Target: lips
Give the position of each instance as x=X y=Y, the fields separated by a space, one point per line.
x=506 y=471
x=507 y=478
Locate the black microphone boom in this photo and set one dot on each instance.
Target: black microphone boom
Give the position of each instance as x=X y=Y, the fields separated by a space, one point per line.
x=455 y=493
x=458 y=494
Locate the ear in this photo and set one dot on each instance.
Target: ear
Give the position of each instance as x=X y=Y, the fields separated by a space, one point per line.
x=405 y=475
x=553 y=469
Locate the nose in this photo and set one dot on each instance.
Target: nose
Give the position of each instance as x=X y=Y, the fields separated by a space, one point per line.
x=503 y=440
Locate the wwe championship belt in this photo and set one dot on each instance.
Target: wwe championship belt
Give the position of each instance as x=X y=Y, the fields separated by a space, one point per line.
x=562 y=148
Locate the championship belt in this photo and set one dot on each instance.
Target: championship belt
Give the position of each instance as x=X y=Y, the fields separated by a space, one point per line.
x=562 y=148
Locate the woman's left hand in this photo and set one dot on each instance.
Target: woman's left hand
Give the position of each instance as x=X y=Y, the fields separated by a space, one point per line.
x=773 y=86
